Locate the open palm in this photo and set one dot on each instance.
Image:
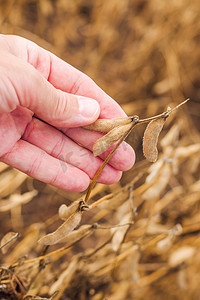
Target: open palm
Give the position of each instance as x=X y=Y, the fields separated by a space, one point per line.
x=43 y=103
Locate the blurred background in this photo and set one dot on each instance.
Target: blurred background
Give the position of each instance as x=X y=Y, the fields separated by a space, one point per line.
x=135 y=50
x=146 y=55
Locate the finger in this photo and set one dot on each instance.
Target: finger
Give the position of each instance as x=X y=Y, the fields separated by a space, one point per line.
x=12 y=125
x=60 y=146
x=21 y=117
x=62 y=75
x=40 y=165
x=65 y=77
x=31 y=90
x=123 y=158
x=9 y=134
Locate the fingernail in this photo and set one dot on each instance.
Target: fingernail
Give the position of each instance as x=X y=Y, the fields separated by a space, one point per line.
x=88 y=108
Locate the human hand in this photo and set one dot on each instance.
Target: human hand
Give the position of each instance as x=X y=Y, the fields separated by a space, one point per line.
x=43 y=103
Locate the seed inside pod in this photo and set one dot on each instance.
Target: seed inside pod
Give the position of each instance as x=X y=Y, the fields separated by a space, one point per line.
x=150 y=139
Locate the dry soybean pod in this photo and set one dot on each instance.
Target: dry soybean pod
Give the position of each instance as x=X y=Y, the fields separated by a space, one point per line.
x=65 y=211
x=72 y=215
x=107 y=160
x=69 y=225
x=78 y=234
x=105 y=125
x=110 y=138
x=150 y=139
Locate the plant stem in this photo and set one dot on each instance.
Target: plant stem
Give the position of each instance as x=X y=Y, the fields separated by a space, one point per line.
x=135 y=122
x=165 y=114
x=106 y=161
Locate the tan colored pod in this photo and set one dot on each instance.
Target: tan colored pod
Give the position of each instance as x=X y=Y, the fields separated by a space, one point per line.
x=65 y=211
x=77 y=234
x=72 y=216
x=110 y=138
x=105 y=125
x=62 y=231
x=150 y=139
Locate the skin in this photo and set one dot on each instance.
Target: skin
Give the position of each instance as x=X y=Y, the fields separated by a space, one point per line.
x=43 y=103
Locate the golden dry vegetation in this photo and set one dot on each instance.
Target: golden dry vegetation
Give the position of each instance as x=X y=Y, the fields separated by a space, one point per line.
x=145 y=54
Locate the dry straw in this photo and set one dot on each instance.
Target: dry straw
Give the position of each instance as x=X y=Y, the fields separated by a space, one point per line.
x=72 y=214
x=145 y=54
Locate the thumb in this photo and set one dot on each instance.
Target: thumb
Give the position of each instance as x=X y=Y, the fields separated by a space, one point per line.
x=63 y=109
x=24 y=85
